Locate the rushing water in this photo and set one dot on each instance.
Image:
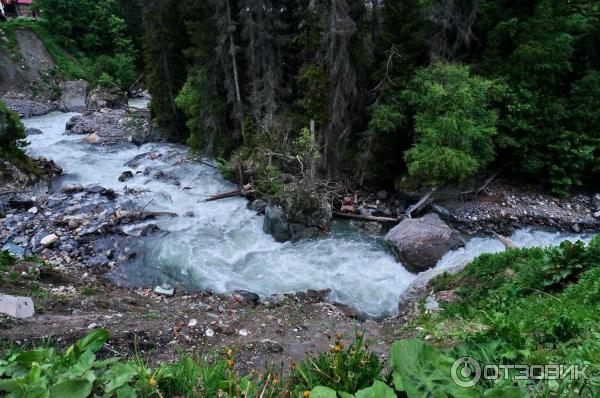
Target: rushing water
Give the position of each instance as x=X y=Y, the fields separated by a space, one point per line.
x=222 y=247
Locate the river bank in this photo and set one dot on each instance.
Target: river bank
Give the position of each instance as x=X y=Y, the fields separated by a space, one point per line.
x=106 y=230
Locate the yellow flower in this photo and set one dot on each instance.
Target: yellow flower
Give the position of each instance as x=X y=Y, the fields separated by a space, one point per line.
x=230 y=363
x=229 y=352
x=293 y=365
x=152 y=381
x=337 y=348
x=362 y=362
x=306 y=394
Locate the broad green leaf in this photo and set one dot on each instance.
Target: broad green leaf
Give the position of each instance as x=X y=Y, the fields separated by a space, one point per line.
x=79 y=388
x=425 y=372
x=345 y=395
x=377 y=390
x=505 y=392
x=8 y=385
x=39 y=356
x=93 y=341
x=398 y=383
x=322 y=392
x=126 y=392
x=120 y=375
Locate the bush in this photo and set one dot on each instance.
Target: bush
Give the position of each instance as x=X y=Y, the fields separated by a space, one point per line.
x=110 y=71
x=346 y=369
x=11 y=129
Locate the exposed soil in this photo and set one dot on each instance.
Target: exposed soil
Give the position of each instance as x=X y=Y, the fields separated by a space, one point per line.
x=70 y=302
x=24 y=66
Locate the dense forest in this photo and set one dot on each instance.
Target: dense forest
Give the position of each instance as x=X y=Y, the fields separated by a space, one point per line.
x=371 y=107
x=405 y=92
x=436 y=91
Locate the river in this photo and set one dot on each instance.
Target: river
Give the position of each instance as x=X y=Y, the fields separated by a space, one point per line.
x=222 y=246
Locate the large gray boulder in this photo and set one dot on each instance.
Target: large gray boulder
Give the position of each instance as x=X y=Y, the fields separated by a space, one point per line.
x=293 y=224
x=419 y=243
x=73 y=96
x=102 y=97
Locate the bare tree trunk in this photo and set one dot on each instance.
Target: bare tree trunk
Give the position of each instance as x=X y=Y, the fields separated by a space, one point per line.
x=340 y=28
x=455 y=28
x=236 y=78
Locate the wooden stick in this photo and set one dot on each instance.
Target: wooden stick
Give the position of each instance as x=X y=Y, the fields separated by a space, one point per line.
x=364 y=218
x=483 y=186
x=509 y=244
x=421 y=203
x=247 y=190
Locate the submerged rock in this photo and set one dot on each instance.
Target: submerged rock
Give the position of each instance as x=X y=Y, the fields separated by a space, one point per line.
x=419 y=243
x=32 y=131
x=126 y=175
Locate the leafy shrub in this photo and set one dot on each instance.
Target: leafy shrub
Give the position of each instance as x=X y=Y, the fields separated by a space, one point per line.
x=11 y=128
x=109 y=71
x=346 y=369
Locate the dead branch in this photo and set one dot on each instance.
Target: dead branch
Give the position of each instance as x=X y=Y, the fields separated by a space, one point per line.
x=365 y=218
x=509 y=244
x=246 y=190
x=425 y=200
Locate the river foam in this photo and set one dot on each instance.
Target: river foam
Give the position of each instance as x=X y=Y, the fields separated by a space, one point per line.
x=222 y=247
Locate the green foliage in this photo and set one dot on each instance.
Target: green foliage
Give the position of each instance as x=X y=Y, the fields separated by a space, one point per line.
x=533 y=306
x=545 y=53
x=95 y=33
x=112 y=71
x=11 y=129
x=454 y=123
x=312 y=81
x=346 y=369
x=224 y=168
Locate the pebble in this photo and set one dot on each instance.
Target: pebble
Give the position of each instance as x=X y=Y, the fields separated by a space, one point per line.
x=49 y=240
x=193 y=322
x=209 y=332
x=33 y=210
x=243 y=332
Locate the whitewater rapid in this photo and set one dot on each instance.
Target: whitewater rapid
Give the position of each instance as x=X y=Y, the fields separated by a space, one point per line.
x=220 y=245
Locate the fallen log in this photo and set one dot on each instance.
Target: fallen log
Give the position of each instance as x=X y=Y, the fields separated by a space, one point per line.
x=365 y=218
x=483 y=186
x=509 y=244
x=143 y=215
x=421 y=203
x=245 y=191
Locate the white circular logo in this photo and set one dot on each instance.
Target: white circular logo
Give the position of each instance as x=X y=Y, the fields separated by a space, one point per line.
x=465 y=372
